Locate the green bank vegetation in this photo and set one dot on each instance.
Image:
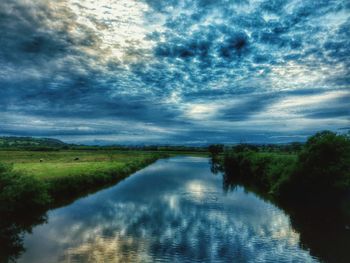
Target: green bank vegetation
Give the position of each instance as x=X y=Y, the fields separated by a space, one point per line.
x=43 y=172
x=41 y=180
x=34 y=174
x=320 y=168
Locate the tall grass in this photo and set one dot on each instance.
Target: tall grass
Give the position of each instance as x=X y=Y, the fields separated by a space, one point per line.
x=18 y=192
x=269 y=171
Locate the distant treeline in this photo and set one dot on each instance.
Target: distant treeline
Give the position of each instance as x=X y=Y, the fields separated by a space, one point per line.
x=48 y=144
x=141 y=148
x=292 y=147
x=29 y=143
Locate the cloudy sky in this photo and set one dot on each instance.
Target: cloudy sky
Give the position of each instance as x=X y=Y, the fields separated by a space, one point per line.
x=174 y=72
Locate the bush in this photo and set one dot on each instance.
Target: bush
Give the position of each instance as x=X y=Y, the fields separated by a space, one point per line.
x=279 y=174
x=19 y=193
x=215 y=149
x=322 y=168
x=324 y=163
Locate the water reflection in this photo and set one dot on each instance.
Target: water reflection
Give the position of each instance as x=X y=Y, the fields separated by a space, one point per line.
x=173 y=211
x=12 y=229
x=323 y=224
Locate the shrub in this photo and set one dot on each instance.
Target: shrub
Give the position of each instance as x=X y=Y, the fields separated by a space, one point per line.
x=324 y=163
x=215 y=149
x=322 y=168
x=19 y=193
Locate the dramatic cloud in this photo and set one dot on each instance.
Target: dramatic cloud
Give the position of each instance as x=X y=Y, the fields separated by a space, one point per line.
x=174 y=71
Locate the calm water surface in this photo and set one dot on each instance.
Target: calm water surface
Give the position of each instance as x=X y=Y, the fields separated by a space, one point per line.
x=173 y=211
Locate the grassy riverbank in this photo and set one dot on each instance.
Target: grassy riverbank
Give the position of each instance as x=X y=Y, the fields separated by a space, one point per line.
x=321 y=169
x=32 y=181
x=38 y=180
x=269 y=171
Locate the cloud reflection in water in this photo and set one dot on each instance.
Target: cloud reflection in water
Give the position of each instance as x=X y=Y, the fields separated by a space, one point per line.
x=172 y=211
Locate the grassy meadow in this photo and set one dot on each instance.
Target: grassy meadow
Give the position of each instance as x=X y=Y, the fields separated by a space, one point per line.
x=46 y=165
x=65 y=163
x=39 y=178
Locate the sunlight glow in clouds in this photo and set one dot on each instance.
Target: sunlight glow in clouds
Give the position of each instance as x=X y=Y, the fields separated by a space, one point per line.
x=120 y=25
x=202 y=111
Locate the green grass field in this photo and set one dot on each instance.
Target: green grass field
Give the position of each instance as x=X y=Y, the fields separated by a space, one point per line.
x=69 y=173
x=45 y=165
x=31 y=182
x=36 y=179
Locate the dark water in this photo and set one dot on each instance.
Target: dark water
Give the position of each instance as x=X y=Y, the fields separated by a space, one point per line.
x=173 y=211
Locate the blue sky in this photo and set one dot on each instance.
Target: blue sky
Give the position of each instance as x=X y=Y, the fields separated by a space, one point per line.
x=174 y=72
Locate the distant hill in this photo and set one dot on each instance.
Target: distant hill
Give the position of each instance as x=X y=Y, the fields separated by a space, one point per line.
x=30 y=142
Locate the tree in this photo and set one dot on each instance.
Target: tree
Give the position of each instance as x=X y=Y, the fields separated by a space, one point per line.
x=215 y=149
x=324 y=163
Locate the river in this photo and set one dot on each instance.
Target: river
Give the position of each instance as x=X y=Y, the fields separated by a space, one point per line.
x=175 y=210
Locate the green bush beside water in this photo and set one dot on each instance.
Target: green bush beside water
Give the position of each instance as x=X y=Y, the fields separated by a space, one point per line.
x=321 y=168
x=19 y=192
x=309 y=182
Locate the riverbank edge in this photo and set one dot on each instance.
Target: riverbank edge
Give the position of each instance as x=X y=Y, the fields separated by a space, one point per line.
x=325 y=213
x=272 y=177
x=25 y=204
x=66 y=190
x=27 y=194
